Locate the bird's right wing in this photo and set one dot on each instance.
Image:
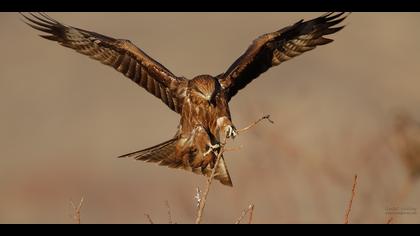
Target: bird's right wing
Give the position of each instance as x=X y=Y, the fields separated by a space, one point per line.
x=121 y=54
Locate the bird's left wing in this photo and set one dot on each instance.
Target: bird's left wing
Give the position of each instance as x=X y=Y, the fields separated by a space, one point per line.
x=121 y=54
x=274 y=48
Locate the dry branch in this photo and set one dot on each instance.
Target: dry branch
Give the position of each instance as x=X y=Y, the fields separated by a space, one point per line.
x=250 y=209
x=353 y=193
x=76 y=210
x=251 y=214
x=149 y=218
x=203 y=199
x=209 y=181
x=197 y=196
x=169 y=212
x=266 y=117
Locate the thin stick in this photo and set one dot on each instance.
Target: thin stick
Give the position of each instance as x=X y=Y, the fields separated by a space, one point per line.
x=353 y=193
x=251 y=214
x=169 y=212
x=266 y=117
x=76 y=210
x=202 y=202
x=197 y=196
x=149 y=218
x=209 y=181
x=250 y=209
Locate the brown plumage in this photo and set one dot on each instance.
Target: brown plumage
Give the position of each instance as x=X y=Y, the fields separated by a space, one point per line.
x=202 y=101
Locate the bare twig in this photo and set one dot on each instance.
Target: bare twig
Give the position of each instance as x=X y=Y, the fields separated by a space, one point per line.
x=353 y=193
x=76 y=210
x=266 y=117
x=197 y=196
x=169 y=212
x=209 y=181
x=149 y=218
x=250 y=209
x=251 y=214
x=203 y=199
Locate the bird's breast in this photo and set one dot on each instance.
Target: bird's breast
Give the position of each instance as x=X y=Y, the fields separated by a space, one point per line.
x=196 y=112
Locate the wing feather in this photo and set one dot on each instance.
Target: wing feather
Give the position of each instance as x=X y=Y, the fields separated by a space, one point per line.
x=121 y=54
x=277 y=47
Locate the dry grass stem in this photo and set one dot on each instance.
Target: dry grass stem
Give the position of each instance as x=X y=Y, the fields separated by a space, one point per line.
x=251 y=214
x=149 y=218
x=250 y=209
x=353 y=193
x=169 y=212
x=76 y=210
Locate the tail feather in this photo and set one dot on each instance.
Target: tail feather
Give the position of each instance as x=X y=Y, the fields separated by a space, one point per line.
x=156 y=153
x=164 y=154
x=221 y=174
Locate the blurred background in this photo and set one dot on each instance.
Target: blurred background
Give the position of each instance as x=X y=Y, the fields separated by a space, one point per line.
x=65 y=118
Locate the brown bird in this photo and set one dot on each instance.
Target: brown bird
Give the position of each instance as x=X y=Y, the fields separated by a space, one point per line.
x=202 y=101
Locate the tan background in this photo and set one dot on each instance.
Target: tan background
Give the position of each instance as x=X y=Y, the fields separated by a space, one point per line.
x=64 y=119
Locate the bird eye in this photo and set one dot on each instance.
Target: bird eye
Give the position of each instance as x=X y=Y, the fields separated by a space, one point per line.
x=197 y=89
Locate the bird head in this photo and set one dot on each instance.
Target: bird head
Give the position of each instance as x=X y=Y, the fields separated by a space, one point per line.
x=205 y=87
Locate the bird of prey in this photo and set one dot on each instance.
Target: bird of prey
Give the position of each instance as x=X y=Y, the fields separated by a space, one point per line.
x=202 y=101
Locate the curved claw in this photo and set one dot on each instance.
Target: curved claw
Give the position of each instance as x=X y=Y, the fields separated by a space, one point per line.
x=231 y=132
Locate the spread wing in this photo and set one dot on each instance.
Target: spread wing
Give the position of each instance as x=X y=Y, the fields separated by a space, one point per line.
x=121 y=54
x=274 y=48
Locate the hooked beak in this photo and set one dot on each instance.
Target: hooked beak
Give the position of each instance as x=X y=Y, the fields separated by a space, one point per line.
x=211 y=100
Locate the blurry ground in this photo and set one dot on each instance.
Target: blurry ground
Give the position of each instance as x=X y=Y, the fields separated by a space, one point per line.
x=64 y=119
